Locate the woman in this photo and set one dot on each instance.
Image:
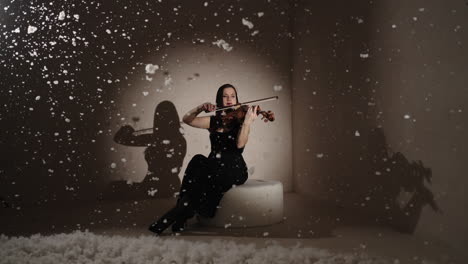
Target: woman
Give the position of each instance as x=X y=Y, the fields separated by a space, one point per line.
x=206 y=179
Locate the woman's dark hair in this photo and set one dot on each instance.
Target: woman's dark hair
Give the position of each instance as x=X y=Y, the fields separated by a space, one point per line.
x=166 y=120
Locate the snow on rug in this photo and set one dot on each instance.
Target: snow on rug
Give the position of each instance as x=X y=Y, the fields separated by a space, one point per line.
x=85 y=247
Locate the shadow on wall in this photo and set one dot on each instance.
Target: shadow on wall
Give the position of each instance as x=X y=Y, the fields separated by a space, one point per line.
x=403 y=185
x=165 y=151
x=392 y=189
x=333 y=81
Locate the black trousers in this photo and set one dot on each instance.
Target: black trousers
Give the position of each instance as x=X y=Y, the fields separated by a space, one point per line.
x=206 y=179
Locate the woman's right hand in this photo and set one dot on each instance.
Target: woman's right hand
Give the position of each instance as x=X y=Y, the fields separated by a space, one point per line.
x=126 y=130
x=124 y=135
x=208 y=107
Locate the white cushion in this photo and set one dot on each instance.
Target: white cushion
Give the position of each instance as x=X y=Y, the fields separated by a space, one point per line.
x=255 y=203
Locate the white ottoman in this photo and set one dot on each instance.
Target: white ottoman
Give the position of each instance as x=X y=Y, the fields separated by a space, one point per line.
x=255 y=203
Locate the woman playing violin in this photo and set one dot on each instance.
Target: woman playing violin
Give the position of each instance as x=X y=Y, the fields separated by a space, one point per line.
x=206 y=179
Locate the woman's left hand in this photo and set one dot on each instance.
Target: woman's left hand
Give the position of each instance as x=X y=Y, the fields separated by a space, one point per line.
x=251 y=115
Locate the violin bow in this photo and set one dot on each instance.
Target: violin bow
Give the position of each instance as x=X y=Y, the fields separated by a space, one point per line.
x=258 y=101
x=220 y=109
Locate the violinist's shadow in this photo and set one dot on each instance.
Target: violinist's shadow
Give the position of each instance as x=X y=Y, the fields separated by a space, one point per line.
x=165 y=151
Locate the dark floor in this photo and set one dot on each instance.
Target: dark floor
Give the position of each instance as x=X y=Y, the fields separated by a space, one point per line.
x=301 y=220
x=312 y=223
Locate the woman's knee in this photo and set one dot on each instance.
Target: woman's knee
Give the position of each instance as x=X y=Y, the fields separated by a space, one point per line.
x=199 y=158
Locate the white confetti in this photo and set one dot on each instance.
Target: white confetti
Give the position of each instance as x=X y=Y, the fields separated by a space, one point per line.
x=167 y=80
x=357 y=133
x=61 y=15
x=247 y=23
x=223 y=44
x=277 y=88
x=319 y=155
x=152 y=192
x=364 y=55
x=145 y=93
x=113 y=165
x=32 y=29
x=151 y=68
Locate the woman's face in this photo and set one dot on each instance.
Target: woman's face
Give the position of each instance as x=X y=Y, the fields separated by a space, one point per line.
x=229 y=96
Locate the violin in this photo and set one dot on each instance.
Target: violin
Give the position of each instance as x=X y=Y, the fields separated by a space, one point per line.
x=238 y=115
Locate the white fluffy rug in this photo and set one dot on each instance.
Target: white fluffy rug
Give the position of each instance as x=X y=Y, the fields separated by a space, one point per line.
x=85 y=247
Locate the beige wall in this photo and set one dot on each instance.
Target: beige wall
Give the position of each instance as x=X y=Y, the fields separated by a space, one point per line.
x=268 y=152
x=413 y=64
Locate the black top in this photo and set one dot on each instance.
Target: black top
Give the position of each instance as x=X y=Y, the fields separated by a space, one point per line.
x=222 y=142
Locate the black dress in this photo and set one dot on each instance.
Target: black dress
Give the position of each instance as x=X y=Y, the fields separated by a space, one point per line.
x=206 y=179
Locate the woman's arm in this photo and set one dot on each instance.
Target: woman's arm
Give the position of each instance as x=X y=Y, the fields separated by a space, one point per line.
x=191 y=119
x=243 y=135
x=124 y=136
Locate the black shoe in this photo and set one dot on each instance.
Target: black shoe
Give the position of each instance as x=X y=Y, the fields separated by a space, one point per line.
x=180 y=213
x=179 y=226
x=165 y=221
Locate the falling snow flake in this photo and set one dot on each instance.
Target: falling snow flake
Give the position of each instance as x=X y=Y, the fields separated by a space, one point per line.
x=32 y=29
x=277 y=88
x=364 y=55
x=247 y=23
x=61 y=15
x=151 y=68
x=152 y=192
x=167 y=80
x=223 y=44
